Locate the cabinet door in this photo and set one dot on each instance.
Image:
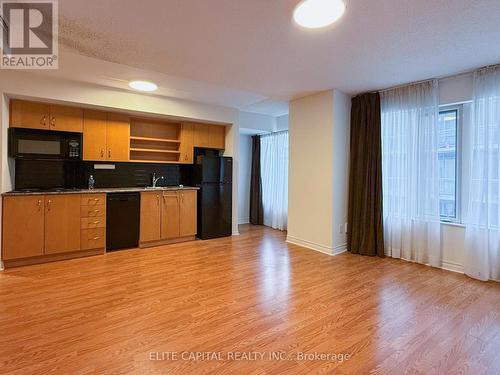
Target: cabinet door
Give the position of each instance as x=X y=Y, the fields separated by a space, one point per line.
x=187 y=143
x=62 y=223
x=170 y=215
x=217 y=136
x=118 y=137
x=150 y=216
x=24 y=114
x=65 y=118
x=187 y=219
x=23 y=222
x=201 y=135
x=94 y=135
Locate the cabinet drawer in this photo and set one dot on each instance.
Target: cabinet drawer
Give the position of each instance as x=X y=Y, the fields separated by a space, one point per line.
x=93 y=238
x=90 y=222
x=93 y=199
x=93 y=211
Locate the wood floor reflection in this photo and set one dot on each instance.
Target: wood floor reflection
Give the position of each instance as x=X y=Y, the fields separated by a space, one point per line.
x=125 y=311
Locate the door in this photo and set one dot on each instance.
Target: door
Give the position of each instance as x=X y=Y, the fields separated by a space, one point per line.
x=94 y=135
x=217 y=136
x=201 y=135
x=25 y=114
x=187 y=143
x=170 y=215
x=118 y=137
x=187 y=219
x=23 y=222
x=150 y=226
x=65 y=118
x=62 y=223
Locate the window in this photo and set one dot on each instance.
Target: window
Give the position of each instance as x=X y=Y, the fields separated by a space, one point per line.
x=449 y=163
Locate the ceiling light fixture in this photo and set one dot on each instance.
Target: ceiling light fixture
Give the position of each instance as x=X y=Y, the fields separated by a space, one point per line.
x=143 y=85
x=314 y=14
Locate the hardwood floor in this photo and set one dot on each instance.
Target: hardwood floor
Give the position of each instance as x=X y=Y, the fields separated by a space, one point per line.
x=111 y=314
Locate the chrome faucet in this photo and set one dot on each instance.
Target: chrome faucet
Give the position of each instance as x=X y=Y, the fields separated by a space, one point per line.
x=155 y=179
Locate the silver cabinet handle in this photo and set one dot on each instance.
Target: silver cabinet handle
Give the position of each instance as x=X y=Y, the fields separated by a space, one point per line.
x=43 y=121
x=48 y=205
x=53 y=121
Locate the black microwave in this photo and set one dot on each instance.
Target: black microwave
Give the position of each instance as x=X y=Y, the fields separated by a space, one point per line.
x=44 y=144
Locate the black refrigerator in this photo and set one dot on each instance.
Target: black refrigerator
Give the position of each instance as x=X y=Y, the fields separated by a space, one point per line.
x=214 y=176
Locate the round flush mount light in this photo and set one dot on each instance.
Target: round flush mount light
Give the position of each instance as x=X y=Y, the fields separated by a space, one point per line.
x=314 y=14
x=143 y=85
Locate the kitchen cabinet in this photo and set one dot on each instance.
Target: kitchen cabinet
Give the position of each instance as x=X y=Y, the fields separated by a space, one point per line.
x=93 y=221
x=33 y=115
x=62 y=223
x=170 y=215
x=187 y=213
x=209 y=136
x=187 y=143
x=118 y=137
x=106 y=136
x=23 y=227
x=150 y=226
x=94 y=135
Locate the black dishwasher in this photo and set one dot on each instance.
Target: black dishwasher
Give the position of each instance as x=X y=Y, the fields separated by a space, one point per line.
x=122 y=220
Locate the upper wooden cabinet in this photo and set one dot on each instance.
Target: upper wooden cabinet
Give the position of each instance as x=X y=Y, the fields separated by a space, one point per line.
x=94 y=135
x=23 y=227
x=187 y=143
x=117 y=137
x=210 y=136
x=33 y=115
x=106 y=136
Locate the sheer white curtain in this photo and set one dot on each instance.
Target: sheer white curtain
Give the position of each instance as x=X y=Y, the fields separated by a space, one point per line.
x=410 y=173
x=274 y=174
x=482 y=239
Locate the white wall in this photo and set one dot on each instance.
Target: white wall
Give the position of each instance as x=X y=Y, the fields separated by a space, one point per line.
x=282 y=123
x=256 y=123
x=28 y=85
x=317 y=193
x=245 y=167
x=341 y=132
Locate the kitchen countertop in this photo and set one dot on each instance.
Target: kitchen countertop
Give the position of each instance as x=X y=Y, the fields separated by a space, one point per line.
x=98 y=190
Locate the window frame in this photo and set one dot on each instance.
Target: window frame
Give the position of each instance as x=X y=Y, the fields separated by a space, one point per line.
x=458 y=109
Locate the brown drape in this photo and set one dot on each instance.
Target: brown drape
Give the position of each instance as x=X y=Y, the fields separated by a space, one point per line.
x=256 y=210
x=365 y=232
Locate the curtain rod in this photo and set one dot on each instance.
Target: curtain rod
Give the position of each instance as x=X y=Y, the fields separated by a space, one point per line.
x=273 y=133
x=436 y=78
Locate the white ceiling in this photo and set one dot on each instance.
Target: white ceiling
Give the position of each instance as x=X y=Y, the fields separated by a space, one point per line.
x=250 y=55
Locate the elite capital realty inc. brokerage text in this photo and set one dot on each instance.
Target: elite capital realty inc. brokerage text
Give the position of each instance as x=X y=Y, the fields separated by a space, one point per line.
x=248 y=356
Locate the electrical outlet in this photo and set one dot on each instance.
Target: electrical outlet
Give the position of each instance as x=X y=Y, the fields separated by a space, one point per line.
x=345 y=228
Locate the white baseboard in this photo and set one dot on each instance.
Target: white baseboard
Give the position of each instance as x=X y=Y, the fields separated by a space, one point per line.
x=328 y=250
x=452 y=266
x=243 y=221
x=235 y=233
x=339 y=249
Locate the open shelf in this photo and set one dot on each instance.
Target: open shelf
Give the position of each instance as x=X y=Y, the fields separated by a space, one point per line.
x=155 y=150
x=149 y=139
x=154 y=141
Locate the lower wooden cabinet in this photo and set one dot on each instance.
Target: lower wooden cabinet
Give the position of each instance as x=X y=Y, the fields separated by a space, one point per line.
x=168 y=216
x=23 y=227
x=188 y=213
x=150 y=226
x=62 y=223
x=41 y=228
